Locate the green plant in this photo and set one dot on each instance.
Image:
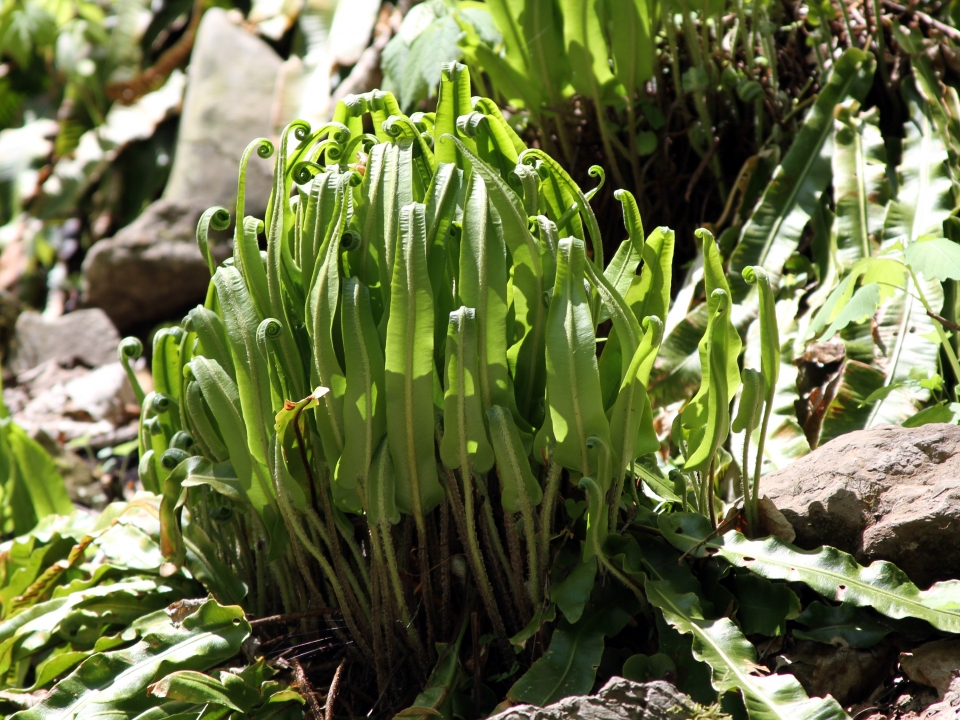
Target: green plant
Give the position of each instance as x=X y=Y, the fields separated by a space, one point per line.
x=444 y=291
x=85 y=610
x=31 y=489
x=628 y=60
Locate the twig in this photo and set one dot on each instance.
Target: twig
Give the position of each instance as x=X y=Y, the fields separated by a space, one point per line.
x=945 y=29
x=306 y=689
x=130 y=90
x=701 y=167
x=943 y=321
x=294 y=617
x=332 y=692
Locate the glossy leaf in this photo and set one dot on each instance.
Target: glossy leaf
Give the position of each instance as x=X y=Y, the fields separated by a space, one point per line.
x=570 y=664
x=117 y=680
x=773 y=232
x=830 y=572
x=843 y=625
x=409 y=369
x=733 y=660
x=573 y=382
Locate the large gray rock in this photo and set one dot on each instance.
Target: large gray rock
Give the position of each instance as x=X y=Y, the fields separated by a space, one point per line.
x=229 y=102
x=619 y=699
x=84 y=337
x=152 y=270
x=888 y=493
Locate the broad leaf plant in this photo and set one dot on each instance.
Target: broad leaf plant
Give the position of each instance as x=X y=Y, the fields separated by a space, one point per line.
x=432 y=372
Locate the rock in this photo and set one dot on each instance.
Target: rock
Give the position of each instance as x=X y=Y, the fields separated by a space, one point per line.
x=936 y=664
x=103 y=394
x=229 y=103
x=151 y=270
x=947 y=709
x=848 y=674
x=84 y=337
x=888 y=493
x=619 y=699
x=68 y=404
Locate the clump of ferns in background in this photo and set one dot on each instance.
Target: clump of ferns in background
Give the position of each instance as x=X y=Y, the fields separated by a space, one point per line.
x=406 y=385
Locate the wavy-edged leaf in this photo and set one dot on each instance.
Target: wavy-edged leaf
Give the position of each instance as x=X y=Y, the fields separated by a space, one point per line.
x=253 y=382
x=572 y=582
x=453 y=101
x=706 y=420
x=116 y=681
x=631 y=418
x=526 y=355
x=907 y=337
x=843 y=625
x=223 y=397
x=733 y=660
x=34 y=480
x=622 y=268
x=569 y=666
x=630 y=28
x=860 y=182
x=482 y=285
x=924 y=196
x=464 y=444
x=764 y=606
x=773 y=232
x=534 y=48
x=519 y=486
x=831 y=572
x=201 y=689
x=321 y=320
x=586 y=46
x=364 y=422
x=382 y=490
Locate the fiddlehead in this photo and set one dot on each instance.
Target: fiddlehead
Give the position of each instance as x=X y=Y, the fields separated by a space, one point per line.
x=130 y=349
x=217 y=218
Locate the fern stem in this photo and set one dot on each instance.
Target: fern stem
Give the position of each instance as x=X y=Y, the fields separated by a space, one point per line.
x=546 y=512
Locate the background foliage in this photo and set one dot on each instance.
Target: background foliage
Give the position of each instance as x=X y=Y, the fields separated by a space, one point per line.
x=431 y=426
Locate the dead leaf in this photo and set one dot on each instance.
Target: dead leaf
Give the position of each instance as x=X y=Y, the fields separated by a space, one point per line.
x=775 y=522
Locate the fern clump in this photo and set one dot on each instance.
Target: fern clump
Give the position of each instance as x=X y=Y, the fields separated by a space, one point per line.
x=424 y=406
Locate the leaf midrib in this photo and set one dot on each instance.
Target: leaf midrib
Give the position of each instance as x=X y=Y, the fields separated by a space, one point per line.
x=926 y=611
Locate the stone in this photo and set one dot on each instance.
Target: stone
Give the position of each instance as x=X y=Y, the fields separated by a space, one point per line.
x=936 y=664
x=229 y=102
x=619 y=699
x=152 y=270
x=887 y=493
x=84 y=337
x=68 y=404
x=947 y=709
x=848 y=674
